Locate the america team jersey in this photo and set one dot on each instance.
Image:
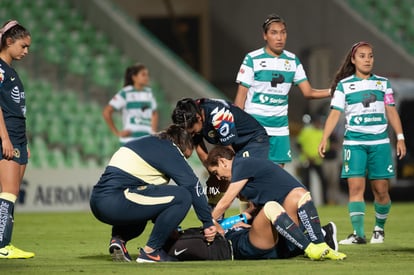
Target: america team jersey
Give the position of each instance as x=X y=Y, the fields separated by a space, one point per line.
x=269 y=80
x=137 y=108
x=363 y=102
x=227 y=124
x=13 y=103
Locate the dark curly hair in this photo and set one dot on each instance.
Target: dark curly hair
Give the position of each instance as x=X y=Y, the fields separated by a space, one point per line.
x=185 y=113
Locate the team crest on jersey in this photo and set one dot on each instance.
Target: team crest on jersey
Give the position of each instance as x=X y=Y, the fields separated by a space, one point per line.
x=288 y=67
x=1 y=76
x=379 y=86
x=211 y=134
x=16 y=153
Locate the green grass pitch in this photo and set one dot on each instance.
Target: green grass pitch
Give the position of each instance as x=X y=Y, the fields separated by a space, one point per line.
x=73 y=243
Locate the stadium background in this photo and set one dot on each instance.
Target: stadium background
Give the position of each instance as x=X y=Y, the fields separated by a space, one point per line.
x=192 y=48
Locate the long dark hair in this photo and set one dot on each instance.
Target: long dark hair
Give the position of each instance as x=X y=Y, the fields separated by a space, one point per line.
x=178 y=136
x=131 y=71
x=347 y=68
x=185 y=113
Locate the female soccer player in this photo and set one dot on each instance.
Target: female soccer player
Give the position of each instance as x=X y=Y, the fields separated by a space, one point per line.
x=15 y=41
x=262 y=181
x=368 y=103
x=137 y=103
x=133 y=190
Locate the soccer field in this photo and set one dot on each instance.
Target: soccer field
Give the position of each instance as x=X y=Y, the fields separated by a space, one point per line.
x=72 y=243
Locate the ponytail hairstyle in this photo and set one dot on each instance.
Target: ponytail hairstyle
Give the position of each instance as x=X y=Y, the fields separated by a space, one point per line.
x=185 y=113
x=131 y=71
x=347 y=68
x=179 y=136
x=12 y=29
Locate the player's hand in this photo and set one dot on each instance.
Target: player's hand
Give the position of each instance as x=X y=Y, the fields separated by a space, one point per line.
x=124 y=133
x=210 y=233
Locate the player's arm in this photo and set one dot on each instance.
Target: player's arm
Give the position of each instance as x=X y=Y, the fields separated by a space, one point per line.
x=330 y=125
x=311 y=93
x=154 y=121
x=225 y=202
x=241 y=96
x=395 y=122
x=7 y=146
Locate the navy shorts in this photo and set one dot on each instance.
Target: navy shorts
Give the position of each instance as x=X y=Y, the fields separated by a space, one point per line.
x=20 y=154
x=244 y=250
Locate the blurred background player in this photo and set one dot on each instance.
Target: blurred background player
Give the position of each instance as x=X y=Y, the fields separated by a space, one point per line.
x=368 y=103
x=15 y=41
x=308 y=141
x=265 y=79
x=137 y=104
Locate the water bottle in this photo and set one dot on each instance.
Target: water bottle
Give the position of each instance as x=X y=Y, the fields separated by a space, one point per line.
x=227 y=223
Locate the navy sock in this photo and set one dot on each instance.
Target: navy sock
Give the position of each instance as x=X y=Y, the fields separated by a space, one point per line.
x=6 y=222
x=288 y=229
x=309 y=218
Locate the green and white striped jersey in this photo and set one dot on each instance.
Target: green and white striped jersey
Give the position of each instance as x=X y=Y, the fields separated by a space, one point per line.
x=363 y=102
x=269 y=80
x=137 y=108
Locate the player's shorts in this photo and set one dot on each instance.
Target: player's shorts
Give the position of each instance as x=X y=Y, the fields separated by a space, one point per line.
x=258 y=148
x=376 y=160
x=243 y=249
x=280 y=149
x=20 y=154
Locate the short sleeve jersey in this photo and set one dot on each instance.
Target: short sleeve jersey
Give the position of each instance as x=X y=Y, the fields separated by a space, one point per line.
x=266 y=180
x=269 y=80
x=137 y=108
x=363 y=102
x=13 y=103
x=227 y=124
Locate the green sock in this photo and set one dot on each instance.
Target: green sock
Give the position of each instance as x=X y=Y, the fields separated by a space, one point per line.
x=357 y=213
x=381 y=213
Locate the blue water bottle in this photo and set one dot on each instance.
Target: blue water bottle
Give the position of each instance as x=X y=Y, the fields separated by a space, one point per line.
x=227 y=223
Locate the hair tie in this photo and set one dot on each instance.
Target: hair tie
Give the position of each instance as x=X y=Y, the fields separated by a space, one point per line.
x=7 y=27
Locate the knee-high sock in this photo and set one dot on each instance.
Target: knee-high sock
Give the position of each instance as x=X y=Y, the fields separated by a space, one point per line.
x=381 y=213
x=284 y=225
x=357 y=213
x=6 y=218
x=309 y=218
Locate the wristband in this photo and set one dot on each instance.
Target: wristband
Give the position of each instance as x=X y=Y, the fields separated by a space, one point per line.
x=400 y=137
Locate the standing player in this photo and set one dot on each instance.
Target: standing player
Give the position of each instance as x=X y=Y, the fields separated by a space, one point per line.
x=133 y=190
x=265 y=79
x=137 y=103
x=15 y=41
x=368 y=103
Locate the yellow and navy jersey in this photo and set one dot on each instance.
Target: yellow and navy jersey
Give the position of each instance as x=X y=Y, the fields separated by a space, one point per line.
x=12 y=103
x=151 y=160
x=267 y=181
x=227 y=124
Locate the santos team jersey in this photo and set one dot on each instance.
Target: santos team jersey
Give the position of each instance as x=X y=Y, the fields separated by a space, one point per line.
x=363 y=101
x=137 y=108
x=269 y=80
